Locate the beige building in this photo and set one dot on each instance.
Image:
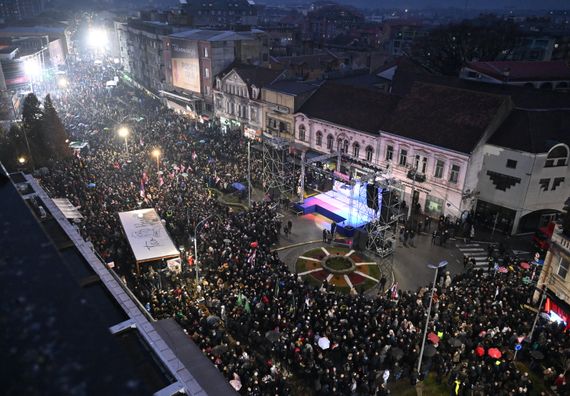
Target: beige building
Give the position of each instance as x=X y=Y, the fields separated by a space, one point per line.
x=282 y=100
x=555 y=276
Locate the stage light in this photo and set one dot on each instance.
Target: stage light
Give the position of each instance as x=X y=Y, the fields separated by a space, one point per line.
x=62 y=82
x=97 y=38
x=32 y=68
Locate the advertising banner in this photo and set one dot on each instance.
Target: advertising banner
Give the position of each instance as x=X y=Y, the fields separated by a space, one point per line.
x=185 y=65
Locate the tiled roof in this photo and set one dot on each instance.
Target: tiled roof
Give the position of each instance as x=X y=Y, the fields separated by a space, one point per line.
x=291 y=87
x=445 y=117
x=258 y=76
x=524 y=70
x=533 y=131
x=357 y=108
x=212 y=35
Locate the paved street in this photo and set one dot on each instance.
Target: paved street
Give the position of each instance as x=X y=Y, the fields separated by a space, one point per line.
x=409 y=264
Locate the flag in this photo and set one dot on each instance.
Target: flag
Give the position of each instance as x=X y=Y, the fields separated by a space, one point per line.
x=394 y=291
x=160 y=181
x=142 y=188
x=251 y=257
x=247 y=307
x=277 y=288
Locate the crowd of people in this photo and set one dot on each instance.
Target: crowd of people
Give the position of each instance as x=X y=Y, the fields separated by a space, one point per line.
x=265 y=329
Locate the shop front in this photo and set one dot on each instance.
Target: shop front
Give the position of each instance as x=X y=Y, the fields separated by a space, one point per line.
x=434 y=206
x=557 y=310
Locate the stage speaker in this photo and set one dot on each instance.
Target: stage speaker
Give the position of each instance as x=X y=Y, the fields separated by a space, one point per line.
x=372 y=196
x=360 y=239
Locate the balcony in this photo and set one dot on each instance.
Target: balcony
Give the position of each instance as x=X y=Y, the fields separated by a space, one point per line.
x=418 y=177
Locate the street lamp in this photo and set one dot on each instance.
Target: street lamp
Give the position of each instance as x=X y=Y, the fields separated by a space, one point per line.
x=436 y=267
x=21 y=160
x=156 y=154
x=124 y=133
x=62 y=83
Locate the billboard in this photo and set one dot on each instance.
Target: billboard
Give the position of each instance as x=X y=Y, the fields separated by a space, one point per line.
x=185 y=66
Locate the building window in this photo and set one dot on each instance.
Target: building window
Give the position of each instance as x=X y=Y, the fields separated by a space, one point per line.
x=558 y=156
x=302 y=133
x=345 y=147
x=439 y=164
x=369 y=153
x=403 y=157
x=355 y=150
x=544 y=183
x=454 y=174
x=511 y=164
x=330 y=140
x=557 y=181
x=389 y=153
x=207 y=72
x=319 y=138
x=205 y=52
x=563 y=267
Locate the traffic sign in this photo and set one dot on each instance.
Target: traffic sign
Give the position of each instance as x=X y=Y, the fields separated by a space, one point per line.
x=518 y=347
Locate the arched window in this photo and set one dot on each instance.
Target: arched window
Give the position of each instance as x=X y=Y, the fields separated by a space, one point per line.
x=319 y=138
x=369 y=153
x=345 y=148
x=547 y=86
x=557 y=156
x=355 y=150
x=339 y=145
x=330 y=140
x=562 y=86
x=302 y=132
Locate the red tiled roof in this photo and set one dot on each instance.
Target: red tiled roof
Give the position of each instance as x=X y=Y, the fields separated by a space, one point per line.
x=524 y=70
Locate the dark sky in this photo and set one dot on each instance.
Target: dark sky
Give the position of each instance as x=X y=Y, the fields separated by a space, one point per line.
x=472 y=4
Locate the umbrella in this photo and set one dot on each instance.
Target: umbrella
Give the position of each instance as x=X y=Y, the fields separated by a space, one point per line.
x=494 y=353
x=526 y=280
x=227 y=241
x=213 y=320
x=184 y=174
x=503 y=270
x=396 y=353
x=429 y=351
x=480 y=351
x=91 y=185
x=219 y=350
x=160 y=173
x=236 y=383
x=254 y=245
x=524 y=265
x=537 y=355
x=433 y=337
x=272 y=335
x=324 y=343
x=455 y=342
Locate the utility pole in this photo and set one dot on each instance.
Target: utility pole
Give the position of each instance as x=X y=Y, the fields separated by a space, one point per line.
x=249 y=174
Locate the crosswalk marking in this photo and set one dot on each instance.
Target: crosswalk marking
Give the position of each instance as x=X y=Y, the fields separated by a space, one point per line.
x=476 y=252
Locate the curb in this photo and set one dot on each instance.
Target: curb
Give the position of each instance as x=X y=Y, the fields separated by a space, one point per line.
x=296 y=245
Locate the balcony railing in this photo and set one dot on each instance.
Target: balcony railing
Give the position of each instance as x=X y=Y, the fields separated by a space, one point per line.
x=418 y=177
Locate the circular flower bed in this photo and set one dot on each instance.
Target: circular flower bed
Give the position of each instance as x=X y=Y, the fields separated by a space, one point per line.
x=345 y=269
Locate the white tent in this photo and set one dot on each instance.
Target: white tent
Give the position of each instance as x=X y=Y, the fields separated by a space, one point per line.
x=147 y=236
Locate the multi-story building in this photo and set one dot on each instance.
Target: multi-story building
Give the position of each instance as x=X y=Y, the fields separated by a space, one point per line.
x=145 y=48
x=121 y=37
x=238 y=100
x=555 y=279
x=220 y=13
x=282 y=99
x=432 y=139
x=330 y=21
x=193 y=59
x=11 y=10
x=525 y=176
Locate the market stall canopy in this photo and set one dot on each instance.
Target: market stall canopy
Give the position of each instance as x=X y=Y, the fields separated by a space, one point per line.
x=67 y=208
x=147 y=236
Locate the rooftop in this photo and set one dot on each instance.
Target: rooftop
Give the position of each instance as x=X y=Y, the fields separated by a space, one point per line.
x=524 y=70
x=533 y=131
x=291 y=87
x=447 y=117
x=215 y=35
x=350 y=106
x=256 y=75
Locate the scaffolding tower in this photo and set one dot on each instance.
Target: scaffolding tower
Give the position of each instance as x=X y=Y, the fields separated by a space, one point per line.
x=278 y=169
x=383 y=230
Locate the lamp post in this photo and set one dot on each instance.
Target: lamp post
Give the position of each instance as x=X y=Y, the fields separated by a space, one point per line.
x=436 y=267
x=196 y=262
x=124 y=133
x=156 y=154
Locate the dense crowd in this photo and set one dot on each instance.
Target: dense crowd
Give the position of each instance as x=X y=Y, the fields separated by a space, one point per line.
x=265 y=329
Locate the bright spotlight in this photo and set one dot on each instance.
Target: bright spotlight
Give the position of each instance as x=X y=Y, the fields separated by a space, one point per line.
x=32 y=68
x=62 y=82
x=97 y=38
x=123 y=132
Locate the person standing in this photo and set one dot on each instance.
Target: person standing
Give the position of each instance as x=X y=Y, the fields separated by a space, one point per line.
x=289 y=225
x=325 y=232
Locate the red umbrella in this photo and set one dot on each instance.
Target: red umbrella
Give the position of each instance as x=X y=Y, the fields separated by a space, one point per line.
x=503 y=270
x=494 y=353
x=433 y=337
x=480 y=351
x=525 y=265
x=254 y=245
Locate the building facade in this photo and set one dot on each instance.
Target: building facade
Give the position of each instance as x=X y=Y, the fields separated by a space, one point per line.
x=220 y=13
x=194 y=58
x=238 y=100
x=525 y=176
x=555 y=279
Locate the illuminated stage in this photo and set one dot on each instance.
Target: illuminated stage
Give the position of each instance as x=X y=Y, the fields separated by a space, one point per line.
x=341 y=205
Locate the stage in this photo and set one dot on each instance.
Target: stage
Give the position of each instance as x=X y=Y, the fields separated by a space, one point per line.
x=344 y=204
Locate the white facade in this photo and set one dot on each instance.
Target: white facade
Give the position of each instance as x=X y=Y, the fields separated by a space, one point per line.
x=233 y=102
x=441 y=173
x=533 y=187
